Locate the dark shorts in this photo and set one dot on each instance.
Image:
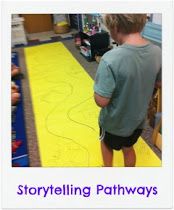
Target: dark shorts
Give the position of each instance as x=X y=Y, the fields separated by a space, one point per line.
x=118 y=142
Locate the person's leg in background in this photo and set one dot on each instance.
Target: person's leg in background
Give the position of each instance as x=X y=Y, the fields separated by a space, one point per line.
x=107 y=154
x=129 y=156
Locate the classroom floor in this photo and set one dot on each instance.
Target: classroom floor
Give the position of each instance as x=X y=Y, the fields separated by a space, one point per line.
x=90 y=67
x=48 y=36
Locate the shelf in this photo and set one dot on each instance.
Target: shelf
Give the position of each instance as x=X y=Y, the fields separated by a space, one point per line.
x=17 y=21
x=97 y=33
x=94 y=42
x=87 y=57
x=86 y=42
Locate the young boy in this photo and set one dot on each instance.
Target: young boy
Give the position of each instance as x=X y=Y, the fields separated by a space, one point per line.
x=124 y=84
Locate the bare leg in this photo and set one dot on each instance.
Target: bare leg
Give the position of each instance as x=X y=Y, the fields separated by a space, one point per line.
x=129 y=156
x=107 y=155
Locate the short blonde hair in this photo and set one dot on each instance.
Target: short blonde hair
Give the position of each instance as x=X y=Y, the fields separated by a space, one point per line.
x=126 y=23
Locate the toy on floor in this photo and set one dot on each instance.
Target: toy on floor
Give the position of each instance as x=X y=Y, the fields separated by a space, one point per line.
x=15 y=145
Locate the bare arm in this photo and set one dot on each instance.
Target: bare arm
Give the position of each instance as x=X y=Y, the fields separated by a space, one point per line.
x=101 y=101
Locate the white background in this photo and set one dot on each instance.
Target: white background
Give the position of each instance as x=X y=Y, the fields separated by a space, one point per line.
x=160 y=177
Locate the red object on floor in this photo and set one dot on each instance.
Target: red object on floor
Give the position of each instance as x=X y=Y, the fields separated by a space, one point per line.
x=15 y=145
x=16 y=165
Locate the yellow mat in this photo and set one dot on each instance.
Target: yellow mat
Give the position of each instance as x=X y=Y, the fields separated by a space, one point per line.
x=65 y=112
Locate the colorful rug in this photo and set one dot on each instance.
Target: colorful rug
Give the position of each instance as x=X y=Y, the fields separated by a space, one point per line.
x=65 y=113
x=19 y=141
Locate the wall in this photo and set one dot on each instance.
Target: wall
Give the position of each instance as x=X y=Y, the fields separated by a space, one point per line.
x=157 y=18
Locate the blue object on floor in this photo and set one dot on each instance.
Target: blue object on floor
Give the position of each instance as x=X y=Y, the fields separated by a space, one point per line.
x=20 y=156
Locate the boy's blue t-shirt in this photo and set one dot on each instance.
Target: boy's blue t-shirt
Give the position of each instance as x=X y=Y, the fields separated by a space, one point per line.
x=127 y=75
